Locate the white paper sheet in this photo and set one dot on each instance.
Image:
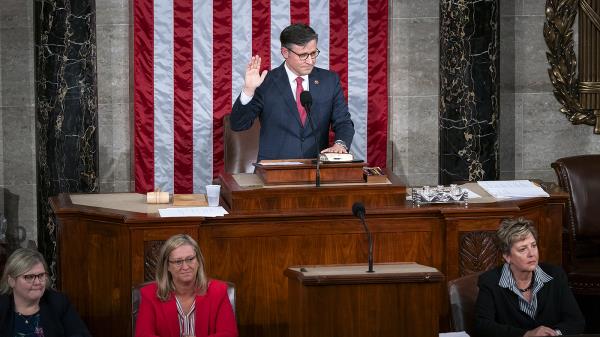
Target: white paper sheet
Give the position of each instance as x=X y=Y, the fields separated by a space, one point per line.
x=512 y=189
x=472 y=195
x=192 y=211
x=454 y=334
x=283 y=163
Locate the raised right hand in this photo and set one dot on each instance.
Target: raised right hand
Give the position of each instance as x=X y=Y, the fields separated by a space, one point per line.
x=541 y=331
x=253 y=77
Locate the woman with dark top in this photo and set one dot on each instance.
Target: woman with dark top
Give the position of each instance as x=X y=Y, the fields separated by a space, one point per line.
x=522 y=297
x=183 y=302
x=28 y=308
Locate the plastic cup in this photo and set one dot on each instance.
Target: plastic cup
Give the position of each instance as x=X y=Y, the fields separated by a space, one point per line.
x=212 y=194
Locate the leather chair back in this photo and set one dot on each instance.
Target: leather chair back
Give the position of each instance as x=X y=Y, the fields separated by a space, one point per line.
x=136 y=298
x=463 y=293
x=240 y=147
x=580 y=177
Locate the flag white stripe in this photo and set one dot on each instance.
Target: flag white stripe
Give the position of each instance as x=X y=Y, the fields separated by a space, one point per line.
x=163 y=95
x=203 y=94
x=280 y=18
x=319 y=21
x=202 y=48
x=242 y=43
x=358 y=27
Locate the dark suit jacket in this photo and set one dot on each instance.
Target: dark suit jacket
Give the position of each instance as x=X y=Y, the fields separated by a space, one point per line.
x=282 y=135
x=57 y=316
x=213 y=316
x=497 y=310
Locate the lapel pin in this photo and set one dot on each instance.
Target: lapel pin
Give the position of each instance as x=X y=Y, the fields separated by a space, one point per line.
x=317 y=82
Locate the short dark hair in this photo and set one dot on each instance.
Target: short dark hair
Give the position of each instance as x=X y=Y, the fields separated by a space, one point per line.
x=514 y=230
x=299 y=34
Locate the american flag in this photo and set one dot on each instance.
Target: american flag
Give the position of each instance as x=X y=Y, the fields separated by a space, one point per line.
x=189 y=63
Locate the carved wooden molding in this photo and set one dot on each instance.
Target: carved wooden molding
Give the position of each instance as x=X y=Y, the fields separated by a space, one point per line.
x=477 y=252
x=151 y=249
x=558 y=33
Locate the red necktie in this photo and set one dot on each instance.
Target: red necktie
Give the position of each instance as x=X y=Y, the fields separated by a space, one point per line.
x=299 y=90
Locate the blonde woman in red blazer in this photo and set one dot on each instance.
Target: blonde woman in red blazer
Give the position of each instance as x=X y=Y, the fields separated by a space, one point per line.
x=183 y=302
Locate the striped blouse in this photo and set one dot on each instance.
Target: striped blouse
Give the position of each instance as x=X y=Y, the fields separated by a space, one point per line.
x=539 y=278
x=187 y=323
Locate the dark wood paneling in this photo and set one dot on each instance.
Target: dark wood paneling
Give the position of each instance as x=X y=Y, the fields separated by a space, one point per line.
x=103 y=251
x=93 y=272
x=401 y=309
x=254 y=255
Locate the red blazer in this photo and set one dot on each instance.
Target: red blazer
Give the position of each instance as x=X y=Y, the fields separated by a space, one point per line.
x=214 y=315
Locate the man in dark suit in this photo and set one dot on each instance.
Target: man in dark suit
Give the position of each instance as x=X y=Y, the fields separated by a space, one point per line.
x=274 y=98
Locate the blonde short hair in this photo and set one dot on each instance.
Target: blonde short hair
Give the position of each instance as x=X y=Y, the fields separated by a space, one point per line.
x=164 y=280
x=514 y=230
x=18 y=263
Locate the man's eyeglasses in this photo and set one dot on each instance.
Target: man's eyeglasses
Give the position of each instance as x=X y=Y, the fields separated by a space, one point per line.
x=179 y=262
x=30 y=278
x=304 y=57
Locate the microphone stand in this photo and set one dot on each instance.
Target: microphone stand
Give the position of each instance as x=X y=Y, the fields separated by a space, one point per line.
x=362 y=219
x=358 y=210
x=313 y=128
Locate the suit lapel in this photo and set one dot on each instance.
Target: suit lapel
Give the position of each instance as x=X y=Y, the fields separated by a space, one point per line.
x=47 y=322
x=6 y=314
x=283 y=84
x=512 y=299
x=202 y=317
x=169 y=309
x=542 y=297
x=314 y=84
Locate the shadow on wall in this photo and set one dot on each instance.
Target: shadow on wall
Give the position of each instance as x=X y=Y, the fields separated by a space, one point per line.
x=12 y=236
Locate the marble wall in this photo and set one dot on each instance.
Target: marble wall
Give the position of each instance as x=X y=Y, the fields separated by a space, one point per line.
x=532 y=131
x=115 y=98
x=17 y=122
x=413 y=78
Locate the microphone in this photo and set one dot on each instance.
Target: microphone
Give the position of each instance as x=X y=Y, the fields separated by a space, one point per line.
x=358 y=209
x=306 y=101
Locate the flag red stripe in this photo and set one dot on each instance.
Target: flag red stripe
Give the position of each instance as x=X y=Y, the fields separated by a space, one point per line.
x=338 y=45
x=338 y=40
x=299 y=11
x=377 y=120
x=261 y=31
x=222 y=86
x=182 y=96
x=143 y=60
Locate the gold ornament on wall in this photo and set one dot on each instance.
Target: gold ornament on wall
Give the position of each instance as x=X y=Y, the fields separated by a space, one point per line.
x=579 y=96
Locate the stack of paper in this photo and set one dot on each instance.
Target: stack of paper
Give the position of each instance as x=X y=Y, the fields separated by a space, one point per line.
x=454 y=334
x=512 y=189
x=192 y=211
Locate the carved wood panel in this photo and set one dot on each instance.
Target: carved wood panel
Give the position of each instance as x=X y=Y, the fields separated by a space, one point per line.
x=477 y=252
x=151 y=249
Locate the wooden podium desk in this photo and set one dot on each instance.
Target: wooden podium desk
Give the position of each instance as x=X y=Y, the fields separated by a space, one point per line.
x=108 y=242
x=397 y=299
